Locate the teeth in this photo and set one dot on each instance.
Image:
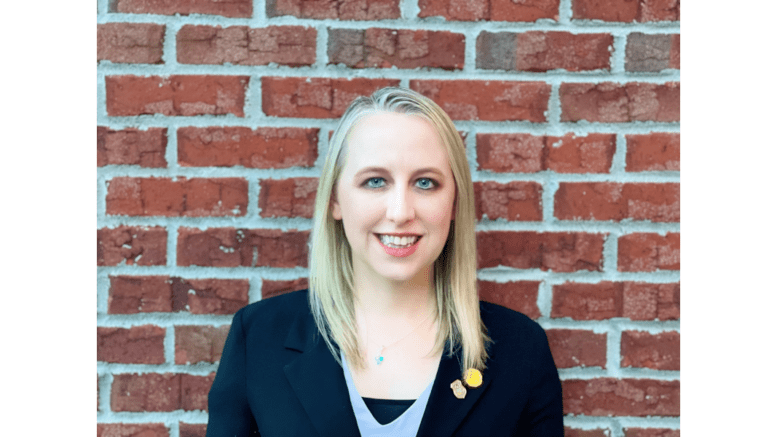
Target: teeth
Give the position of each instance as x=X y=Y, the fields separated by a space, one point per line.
x=397 y=242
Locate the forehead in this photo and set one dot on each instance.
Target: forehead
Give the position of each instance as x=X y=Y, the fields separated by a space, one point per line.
x=387 y=138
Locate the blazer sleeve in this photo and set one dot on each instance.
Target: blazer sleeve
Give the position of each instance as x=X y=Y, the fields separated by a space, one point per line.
x=545 y=409
x=228 y=412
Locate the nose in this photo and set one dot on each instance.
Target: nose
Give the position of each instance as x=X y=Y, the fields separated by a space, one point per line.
x=400 y=207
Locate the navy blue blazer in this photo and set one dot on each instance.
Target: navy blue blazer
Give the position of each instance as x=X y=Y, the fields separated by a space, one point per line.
x=277 y=378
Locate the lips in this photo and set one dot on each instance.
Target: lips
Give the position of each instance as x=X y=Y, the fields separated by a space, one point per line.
x=399 y=246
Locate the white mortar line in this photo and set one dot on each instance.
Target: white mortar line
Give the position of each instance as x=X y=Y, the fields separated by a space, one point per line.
x=565 y=12
x=103 y=287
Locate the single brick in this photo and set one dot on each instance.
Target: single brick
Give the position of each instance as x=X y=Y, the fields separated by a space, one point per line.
x=144 y=294
x=577 y=347
x=130 y=43
x=653 y=152
x=520 y=296
x=521 y=201
x=137 y=345
x=490 y=10
x=655 y=351
x=650 y=432
x=556 y=251
x=175 y=95
x=160 y=392
x=609 y=102
x=240 y=45
x=526 y=153
x=191 y=429
x=252 y=148
x=198 y=197
x=621 y=397
x=275 y=288
x=605 y=300
x=145 y=148
x=230 y=247
x=645 y=301
x=492 y=100
x=140 y=245
x=342 y=9
x=315 y=97
x=287 y=197
x=644 y=252
x=132 y=430
x=646 y=52
x=615 y=201
x=231 y=8
x=626 y=10
x=401 y=48
x=574 y=432
x=196 y=344
x=544 y=51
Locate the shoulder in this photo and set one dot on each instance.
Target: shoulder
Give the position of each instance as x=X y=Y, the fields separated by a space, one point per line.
x=274 y=313
x=503 y=323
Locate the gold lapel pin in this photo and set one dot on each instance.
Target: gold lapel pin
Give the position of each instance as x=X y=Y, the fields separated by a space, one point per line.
x=473 y=378
x=458 y=389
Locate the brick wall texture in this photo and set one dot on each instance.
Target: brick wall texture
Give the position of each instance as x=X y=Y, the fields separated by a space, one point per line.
x=212 y=120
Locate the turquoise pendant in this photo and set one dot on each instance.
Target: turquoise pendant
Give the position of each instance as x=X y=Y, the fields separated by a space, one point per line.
x=379 y=360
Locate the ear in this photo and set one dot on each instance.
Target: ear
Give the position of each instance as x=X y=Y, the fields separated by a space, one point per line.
x=334 y=206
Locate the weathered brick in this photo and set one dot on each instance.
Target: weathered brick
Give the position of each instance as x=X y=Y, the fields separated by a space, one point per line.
x=644 y=252
x=191 y=429
x=577 y=347
x=609 y=102
x=520 y=296
x=175 y=95
x=287 y=197
x=130 y=43
x=574 y=432
x=556 y=251
x=526 y=153
x=605 y=300
x=230 y=247
x=231 y=8
x=240 y=45
x=198 y=197
x=651 y=52
x=651 y=432
x=621 y=397
x=145 y=148
x=543 y=51
x=141 y=245
x=137 y=345
x=132 y=430
x=160 y=392
x=196 y=344
x=401 y=48
x=492 y=100
x=315 y=97
x=490 y=10
x=274 y=288
x=342 y=9
x=144 y=294
x=626 y=10
x=614 y=201
x=653 y=152
x=521 y=201
x=655 y=351
x=252 y=148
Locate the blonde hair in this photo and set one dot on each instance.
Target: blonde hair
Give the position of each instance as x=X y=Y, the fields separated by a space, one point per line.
x=331 y=271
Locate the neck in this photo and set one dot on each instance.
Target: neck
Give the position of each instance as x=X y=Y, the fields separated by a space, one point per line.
x=397 y=302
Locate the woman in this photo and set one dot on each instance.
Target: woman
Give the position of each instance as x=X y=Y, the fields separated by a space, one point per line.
x=391 y=338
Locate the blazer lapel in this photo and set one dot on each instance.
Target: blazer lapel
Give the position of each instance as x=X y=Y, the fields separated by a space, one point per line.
x=318 y=381
x=444 y=411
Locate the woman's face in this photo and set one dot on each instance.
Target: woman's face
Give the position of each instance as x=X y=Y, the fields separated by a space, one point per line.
x=395 y=196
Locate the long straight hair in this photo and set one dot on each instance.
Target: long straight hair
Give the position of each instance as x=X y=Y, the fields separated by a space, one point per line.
x=331 y=270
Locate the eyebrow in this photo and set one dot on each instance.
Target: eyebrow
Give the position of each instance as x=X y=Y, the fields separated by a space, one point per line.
x=383 y=170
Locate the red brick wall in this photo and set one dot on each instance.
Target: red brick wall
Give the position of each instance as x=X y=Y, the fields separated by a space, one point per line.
x=212 y=118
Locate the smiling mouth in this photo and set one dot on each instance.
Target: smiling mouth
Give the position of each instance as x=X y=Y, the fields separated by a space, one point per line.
x=395 y=242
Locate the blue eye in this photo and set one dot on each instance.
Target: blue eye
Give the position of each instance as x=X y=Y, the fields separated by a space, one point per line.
x=375 y=182
x=425 y=184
